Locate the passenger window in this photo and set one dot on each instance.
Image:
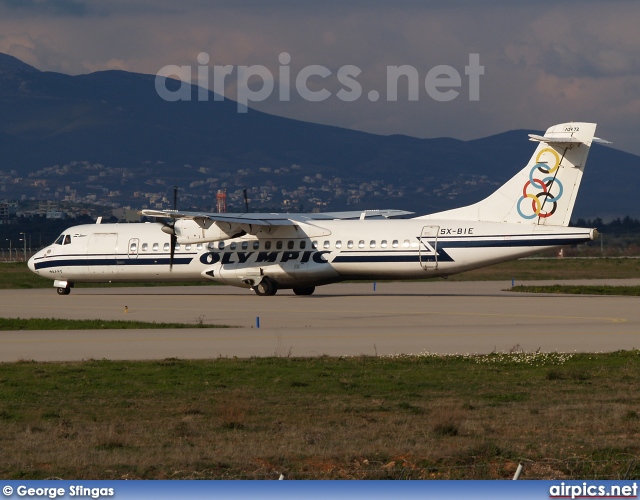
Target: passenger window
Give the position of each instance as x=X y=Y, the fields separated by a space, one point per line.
x=303 y=245
x=350 y=244
x=314 y=244
x=290 y=244
x=383 y=243
x=267 y=245
x=155 y=247
x=372 y=244
x=187 y=247
x=221 y=245
x=67 y=239
x=233 y=245
x=177 y=246
x=405 y=243
x=394 y=244
x=211 y=246
x=279 y=245
x=256 y=245
x=361 y=244
x=133 y=248
x=145 y=247
x=165 y=247
x=199 y=246
x=338 y=244
x=245 y=245
x=414 y=244
x=326 y=244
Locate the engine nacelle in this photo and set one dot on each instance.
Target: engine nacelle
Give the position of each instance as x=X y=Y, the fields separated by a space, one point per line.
x=203 y=230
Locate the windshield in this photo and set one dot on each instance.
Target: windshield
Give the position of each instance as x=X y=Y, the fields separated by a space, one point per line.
x=63 y=239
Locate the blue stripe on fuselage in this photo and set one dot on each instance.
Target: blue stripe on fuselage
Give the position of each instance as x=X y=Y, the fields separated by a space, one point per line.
x=111 y=261
x=505 y=243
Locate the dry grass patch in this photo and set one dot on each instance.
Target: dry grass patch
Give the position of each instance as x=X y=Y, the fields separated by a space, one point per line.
x=423 y=416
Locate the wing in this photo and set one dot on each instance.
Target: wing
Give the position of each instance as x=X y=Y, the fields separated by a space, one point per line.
x=277 y=219
x=215 y=226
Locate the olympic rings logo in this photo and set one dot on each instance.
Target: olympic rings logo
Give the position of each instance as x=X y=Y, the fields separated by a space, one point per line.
x=545 y=184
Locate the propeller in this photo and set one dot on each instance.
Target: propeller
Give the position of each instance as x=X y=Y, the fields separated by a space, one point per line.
x=174 y=238
x=246 y=201
x=170 y=230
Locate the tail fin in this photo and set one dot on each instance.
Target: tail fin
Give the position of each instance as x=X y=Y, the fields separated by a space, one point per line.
x=545 y=191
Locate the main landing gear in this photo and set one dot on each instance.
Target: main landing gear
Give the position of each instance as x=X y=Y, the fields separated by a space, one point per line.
x=63 y=290
x=266 y=287
x=269 y=287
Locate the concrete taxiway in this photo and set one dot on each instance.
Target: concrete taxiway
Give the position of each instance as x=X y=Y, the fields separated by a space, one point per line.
x=338 y=320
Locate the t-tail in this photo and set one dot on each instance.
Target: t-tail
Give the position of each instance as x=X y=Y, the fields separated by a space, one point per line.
x=544 y=192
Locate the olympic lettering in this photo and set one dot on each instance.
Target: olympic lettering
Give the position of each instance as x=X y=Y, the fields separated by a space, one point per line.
x=263 y=257
x=540 y=199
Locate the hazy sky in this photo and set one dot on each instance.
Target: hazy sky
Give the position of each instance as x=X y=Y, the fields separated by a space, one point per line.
x=545 y=62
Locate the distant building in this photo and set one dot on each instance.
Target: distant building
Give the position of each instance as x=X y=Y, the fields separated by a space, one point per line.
x=4 y=213
x=55 y=214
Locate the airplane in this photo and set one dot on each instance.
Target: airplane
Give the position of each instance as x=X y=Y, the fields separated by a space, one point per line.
x=268 y=252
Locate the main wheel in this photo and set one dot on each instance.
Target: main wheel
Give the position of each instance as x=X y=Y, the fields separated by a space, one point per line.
x=304 y=290
x=64 y=291
x=266 y=287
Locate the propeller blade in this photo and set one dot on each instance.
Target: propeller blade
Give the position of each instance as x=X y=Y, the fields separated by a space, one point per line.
x=172 y=250
x=175 y=197
x=246 y=201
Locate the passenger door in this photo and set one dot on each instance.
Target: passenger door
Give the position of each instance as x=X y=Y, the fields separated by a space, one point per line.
x=428 y=247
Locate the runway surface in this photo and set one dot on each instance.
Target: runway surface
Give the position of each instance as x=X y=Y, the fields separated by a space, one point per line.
x=338 y=320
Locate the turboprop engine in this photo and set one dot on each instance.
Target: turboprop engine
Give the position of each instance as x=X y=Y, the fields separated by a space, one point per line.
x=201 y=230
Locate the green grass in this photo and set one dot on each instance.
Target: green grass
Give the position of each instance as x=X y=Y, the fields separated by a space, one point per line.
x=16 y=324
x=633 y=291
x=412 y=417
x=554 y=269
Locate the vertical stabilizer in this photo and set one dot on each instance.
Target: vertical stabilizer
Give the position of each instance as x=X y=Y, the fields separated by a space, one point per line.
x=545 y=191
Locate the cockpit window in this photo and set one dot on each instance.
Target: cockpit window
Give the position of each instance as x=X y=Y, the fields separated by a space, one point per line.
x=63 y=239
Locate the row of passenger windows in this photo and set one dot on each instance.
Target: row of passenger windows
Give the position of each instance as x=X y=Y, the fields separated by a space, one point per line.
x=302 y=244
x=277 y=245
x=372 y=244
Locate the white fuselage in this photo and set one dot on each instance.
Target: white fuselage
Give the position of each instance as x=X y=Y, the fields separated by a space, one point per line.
x=295 y=256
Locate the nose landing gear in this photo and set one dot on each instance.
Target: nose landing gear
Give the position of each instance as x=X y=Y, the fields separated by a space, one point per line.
x=63 y=287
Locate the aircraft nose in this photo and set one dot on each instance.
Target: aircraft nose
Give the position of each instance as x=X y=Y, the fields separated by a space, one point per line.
x=31 y=264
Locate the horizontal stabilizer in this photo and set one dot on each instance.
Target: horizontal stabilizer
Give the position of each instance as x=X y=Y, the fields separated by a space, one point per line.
x=554 y=140
x=601 y=141
x=563 y=140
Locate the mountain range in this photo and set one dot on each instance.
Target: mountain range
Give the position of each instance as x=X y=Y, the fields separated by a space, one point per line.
x=116 y=120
